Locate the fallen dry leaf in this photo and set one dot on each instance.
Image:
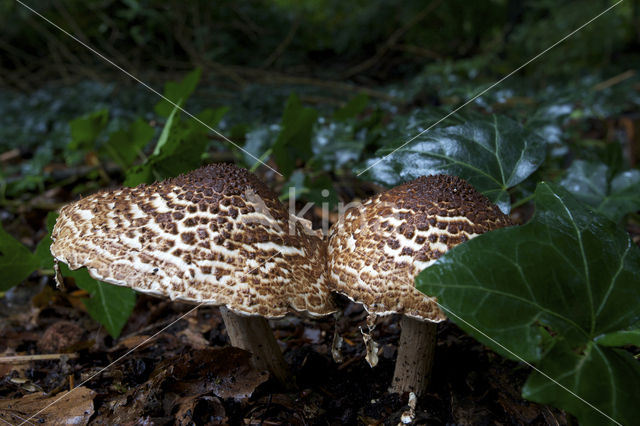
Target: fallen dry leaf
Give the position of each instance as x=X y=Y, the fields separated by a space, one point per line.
x=227 y=372
x=59 y=336
x=187 y=381
x=191 y=408
x=67 y=408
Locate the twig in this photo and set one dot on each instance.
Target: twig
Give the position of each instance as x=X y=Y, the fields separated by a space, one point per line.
x=349 y=362
x=282 y=46
x=271 y=77
x=614 y=80
x=417 y=50
x=18 y=359
x=391 y=41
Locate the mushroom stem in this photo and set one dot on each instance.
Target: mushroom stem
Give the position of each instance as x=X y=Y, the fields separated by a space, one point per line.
x=415 y=356
x=253 y=334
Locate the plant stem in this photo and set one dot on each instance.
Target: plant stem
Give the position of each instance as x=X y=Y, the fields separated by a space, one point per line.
x=522 y=201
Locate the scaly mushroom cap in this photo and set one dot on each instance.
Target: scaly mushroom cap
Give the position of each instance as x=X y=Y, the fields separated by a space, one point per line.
x=217 y=235
x=376 y=249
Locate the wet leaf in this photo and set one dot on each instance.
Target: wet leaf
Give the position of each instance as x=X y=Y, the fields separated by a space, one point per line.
x=494 y=155
x=569 y=270
x=16 y=261
x=614 y=196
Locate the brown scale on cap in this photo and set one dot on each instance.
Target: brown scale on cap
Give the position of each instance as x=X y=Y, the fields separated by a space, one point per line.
x=376 y=249
x=217 y=235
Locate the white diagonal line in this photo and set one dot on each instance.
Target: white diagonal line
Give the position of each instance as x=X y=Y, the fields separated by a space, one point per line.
x=133 y=349
x=151 y=89
x=529 y=364
x=493 y=85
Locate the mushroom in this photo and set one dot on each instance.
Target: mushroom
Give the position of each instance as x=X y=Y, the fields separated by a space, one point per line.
x=375 y=251
x=216 y=236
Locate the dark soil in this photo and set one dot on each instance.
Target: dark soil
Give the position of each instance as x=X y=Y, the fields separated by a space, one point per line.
x=188 y=374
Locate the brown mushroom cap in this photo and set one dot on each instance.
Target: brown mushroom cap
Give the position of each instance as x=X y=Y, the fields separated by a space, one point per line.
x=217 y=235
x=376 y=249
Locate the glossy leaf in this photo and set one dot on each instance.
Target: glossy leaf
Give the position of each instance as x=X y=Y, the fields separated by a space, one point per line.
x=549 y=292
x=620 y=338
x=614 y=196
x=493 y=154
x=599 y=378
x=16 y=261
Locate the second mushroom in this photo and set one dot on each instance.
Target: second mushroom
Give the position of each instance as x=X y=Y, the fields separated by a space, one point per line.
x=376 y=250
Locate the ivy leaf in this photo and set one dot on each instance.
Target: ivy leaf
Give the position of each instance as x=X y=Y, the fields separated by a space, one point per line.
x=16 y=261
x=569 y=271
x=178 y=91
x=294 y=141
x=614 y=196
x=108 y=304
x=620 y=338
x=604 y=377
x=493 y=154
x=124 y=146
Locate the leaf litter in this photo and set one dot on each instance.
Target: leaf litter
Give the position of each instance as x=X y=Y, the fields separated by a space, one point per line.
x=176 y=379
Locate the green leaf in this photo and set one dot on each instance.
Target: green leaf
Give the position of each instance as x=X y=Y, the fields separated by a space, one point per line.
x=613 y=196
x=86 y=129
x=600 y=377
x=16 y=261
x=493 y=155
x=294 y=141
x=178 y=92
x=620 y=338
x=317 y=189
x=124 y=146
x=570 y=271
x=166 y=145
x=108 y=304
x=354 y=107
x=179 y=149
x=43 y=251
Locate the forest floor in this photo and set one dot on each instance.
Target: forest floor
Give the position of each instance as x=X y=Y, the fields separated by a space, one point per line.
x=188 y=374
